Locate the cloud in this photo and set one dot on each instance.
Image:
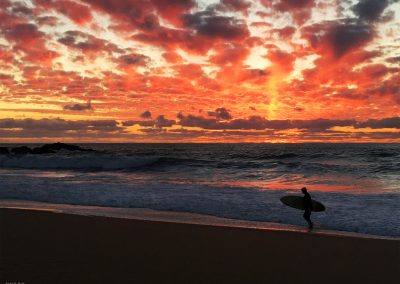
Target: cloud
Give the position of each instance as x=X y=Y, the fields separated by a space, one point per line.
x=370 y=10
x=229 y=53
x=208 y=24
x=144 y=123
x=133 y=59
x=161 y=121
x=394 y=60
x=77 y=12
x=21 y=9
x=260 y=123
x=391 y=122
x=299 y=9
x=235 y=6
x=141 y=14
x=25 y=34
x=338 y=37
x=146 y=114
x=79 y=107
x=47 y=20
x=87 y=43
x=284 y=60
x=28 y=39
x=284 y=33
x=58 y=126
x=221 y=113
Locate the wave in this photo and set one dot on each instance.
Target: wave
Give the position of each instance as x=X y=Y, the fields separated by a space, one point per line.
x=348 y=212
x=77 y=162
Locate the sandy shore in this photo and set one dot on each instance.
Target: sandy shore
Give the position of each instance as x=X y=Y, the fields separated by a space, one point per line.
x=47 y=247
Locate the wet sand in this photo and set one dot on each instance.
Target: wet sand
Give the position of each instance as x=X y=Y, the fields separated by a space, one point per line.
x=47 y=247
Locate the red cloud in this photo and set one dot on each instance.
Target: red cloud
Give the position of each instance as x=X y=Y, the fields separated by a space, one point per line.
x=141 y=14
x=299 y=9
x=87 y=43
x=27 y=38
x=230 y=53
x=172 y=57
x=78 y=13
x=283 y=59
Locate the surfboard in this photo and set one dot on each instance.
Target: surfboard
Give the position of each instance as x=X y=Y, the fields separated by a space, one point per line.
x=297 y=202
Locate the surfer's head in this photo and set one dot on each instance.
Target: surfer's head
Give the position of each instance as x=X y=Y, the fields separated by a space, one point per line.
x=304 y=190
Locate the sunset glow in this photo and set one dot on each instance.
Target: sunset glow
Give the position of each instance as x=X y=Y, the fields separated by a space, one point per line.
x=200 y=71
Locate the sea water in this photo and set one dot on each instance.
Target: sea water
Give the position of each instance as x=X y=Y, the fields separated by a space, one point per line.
x=358 y=183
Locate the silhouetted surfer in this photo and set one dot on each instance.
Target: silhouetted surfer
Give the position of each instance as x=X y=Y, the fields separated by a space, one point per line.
x=308 y=207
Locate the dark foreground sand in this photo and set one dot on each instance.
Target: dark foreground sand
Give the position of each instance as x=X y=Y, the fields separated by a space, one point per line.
x=46 y=247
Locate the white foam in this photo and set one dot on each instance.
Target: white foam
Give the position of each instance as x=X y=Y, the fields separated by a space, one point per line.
x=376 y=214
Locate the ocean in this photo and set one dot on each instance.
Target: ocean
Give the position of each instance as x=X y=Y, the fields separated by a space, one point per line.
x=358 y=183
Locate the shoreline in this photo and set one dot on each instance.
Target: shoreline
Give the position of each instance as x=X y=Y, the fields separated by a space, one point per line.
x=42 y=246
x=145 y=214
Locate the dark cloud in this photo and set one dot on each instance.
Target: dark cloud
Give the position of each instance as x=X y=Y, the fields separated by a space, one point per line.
x=47 y=20
x=393 y=60
x=370 y=10
x=345 y=37
x=161 y=121
x=133 y=59
x=146 y=114
x=260 y=123
x=340 y=37
x=208 y=24
x=59 y=125
x=221 y=113
x=21 y=9
x=391 y=122
x=79 y=107
x=144 y=123
x=87 y=43
x=198 y=121
x=320 y=124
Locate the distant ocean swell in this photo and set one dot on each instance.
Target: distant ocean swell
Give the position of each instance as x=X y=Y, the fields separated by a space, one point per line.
x=108 y=162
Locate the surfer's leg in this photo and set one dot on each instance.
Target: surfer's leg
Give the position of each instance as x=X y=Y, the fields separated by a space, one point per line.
x=306 y=216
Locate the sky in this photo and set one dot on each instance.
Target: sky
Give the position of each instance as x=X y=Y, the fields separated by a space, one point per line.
x=200 y=71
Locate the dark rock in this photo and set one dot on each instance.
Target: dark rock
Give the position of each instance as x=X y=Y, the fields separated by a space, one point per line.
x=23 y=150
x=4 y=151
x=52 y=148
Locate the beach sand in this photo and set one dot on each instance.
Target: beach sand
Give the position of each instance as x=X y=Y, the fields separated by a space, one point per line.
x=45 y=247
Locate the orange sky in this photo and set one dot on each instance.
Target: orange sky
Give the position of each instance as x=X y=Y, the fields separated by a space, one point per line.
x=199 y=71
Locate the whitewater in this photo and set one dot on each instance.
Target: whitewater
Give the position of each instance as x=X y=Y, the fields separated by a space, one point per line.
x=358 y=183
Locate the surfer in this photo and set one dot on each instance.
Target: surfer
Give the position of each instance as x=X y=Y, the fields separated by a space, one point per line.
x=308 y=207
